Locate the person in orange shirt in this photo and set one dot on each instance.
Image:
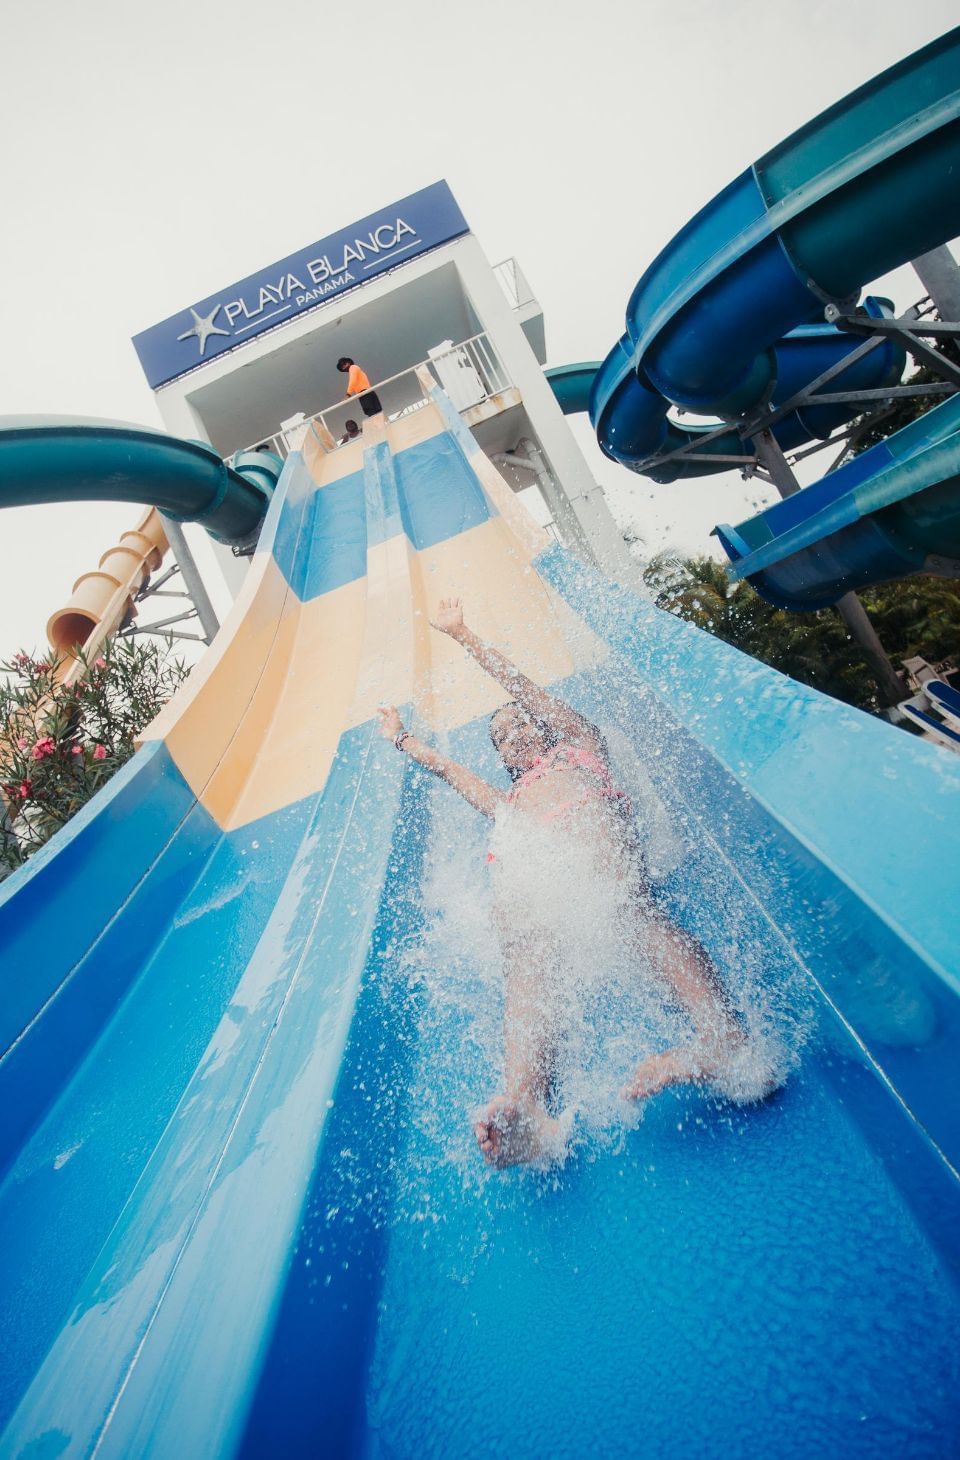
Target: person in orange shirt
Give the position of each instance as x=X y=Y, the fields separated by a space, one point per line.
x=358 y=385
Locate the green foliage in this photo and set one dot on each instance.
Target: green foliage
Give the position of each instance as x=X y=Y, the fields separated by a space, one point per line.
x=912 y=616
x=903 y=412
x=59 y=744
x=911 y=407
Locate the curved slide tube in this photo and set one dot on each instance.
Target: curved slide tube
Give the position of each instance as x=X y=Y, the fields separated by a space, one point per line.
x=891 y=512
x=239 y=1209
x=72 y=458
x=868 y=185
x=803 y=355
x=864 y=187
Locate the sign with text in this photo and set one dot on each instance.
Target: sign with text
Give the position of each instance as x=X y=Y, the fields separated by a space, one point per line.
x=288 y=288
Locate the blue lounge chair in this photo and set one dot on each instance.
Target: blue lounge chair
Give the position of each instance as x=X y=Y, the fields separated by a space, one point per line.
x=940 y=732
x=945 y=700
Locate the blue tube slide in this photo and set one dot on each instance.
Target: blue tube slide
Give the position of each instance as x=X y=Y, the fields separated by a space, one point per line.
x=891 y=512
x=240 y=1207
x=723 y=322
x=640 y=416
x=73 y=458
x=711 y=325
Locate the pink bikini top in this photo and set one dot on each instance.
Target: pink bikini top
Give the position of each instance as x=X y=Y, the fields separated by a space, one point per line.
x=573 y=758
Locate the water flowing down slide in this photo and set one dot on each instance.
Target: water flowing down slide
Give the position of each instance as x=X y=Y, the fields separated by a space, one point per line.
x=251 y=998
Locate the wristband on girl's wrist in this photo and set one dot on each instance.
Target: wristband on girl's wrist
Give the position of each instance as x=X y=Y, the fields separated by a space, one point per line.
x=399 y=739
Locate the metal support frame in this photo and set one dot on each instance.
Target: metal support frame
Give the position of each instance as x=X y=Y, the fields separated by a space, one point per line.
x=908 y=333
x=851 y=610
x=939 y=273
x=908 y=329
x=191 y=577
x=194 y=594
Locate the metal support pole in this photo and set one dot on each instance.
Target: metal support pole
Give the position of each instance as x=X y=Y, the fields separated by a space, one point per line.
x=191 y=577
x=891 y=686
x=939 y=273
x=851 y=610
x=769 y=451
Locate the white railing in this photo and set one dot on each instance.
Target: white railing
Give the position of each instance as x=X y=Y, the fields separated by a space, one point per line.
x=470 y=372
x=514 y=284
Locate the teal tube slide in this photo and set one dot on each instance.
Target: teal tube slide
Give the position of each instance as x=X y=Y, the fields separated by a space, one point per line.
x=70 y=458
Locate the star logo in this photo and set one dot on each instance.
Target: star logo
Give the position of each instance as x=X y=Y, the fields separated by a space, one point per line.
x=204 y=327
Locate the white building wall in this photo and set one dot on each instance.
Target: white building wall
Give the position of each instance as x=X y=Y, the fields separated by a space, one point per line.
x=580 y=509
x=577 y=502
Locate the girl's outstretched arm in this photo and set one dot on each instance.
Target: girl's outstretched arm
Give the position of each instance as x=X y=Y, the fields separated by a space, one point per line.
x=562 y=720
x=472 y=788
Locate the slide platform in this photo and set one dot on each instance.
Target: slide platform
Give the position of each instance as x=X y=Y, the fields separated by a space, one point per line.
x=249 y=1017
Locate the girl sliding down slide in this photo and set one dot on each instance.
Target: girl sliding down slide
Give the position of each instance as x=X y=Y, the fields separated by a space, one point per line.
x=583 y=825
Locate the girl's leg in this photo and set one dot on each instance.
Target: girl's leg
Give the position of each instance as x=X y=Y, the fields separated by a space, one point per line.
x=686 y=967
x=515 y=1126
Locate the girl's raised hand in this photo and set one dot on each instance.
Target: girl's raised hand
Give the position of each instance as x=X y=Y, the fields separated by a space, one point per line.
x=390 y=722
x=449 y=617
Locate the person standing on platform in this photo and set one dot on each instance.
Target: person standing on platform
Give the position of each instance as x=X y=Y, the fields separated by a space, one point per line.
x=358 y=385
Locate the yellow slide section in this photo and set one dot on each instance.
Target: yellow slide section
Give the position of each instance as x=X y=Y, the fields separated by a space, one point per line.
x=298 y=662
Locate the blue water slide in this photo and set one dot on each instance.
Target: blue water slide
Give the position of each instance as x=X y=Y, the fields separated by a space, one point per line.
x=638 y=432
x=245 y=1028
x=727 y=322
x=890 y=512
x=248 y=1010
x=713 y=322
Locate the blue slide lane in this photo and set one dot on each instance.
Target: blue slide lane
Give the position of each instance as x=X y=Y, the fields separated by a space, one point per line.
x=428 y=491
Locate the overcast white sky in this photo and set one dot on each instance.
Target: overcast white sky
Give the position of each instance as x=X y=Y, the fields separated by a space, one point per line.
x=154 y=154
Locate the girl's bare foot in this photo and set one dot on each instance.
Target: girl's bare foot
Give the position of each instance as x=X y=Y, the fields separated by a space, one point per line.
x=510 y=1133
x=657 y=1072
x=740 y=1070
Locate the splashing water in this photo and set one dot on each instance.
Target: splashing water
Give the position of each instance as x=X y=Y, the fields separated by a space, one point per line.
x=546 y=892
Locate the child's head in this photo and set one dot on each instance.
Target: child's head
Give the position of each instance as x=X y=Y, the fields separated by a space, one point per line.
x=344 y=363
x=519 y=738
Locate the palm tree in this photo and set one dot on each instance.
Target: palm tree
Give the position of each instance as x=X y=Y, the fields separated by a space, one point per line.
x=914 y=616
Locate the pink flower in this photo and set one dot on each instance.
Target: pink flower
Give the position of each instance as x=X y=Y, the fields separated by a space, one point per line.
x=100 y=663
x=42 y=667
x=22 y=743
x=21 y=659
x=45 y=746
x=76 y=750
x=99 y=752
x=24 y=789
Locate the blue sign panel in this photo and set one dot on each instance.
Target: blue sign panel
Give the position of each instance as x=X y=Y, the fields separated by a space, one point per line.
x=285 y=289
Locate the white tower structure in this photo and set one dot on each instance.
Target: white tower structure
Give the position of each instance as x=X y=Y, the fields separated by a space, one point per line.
x=407 y=286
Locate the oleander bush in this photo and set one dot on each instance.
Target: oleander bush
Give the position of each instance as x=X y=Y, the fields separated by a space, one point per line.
x=60 y=743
